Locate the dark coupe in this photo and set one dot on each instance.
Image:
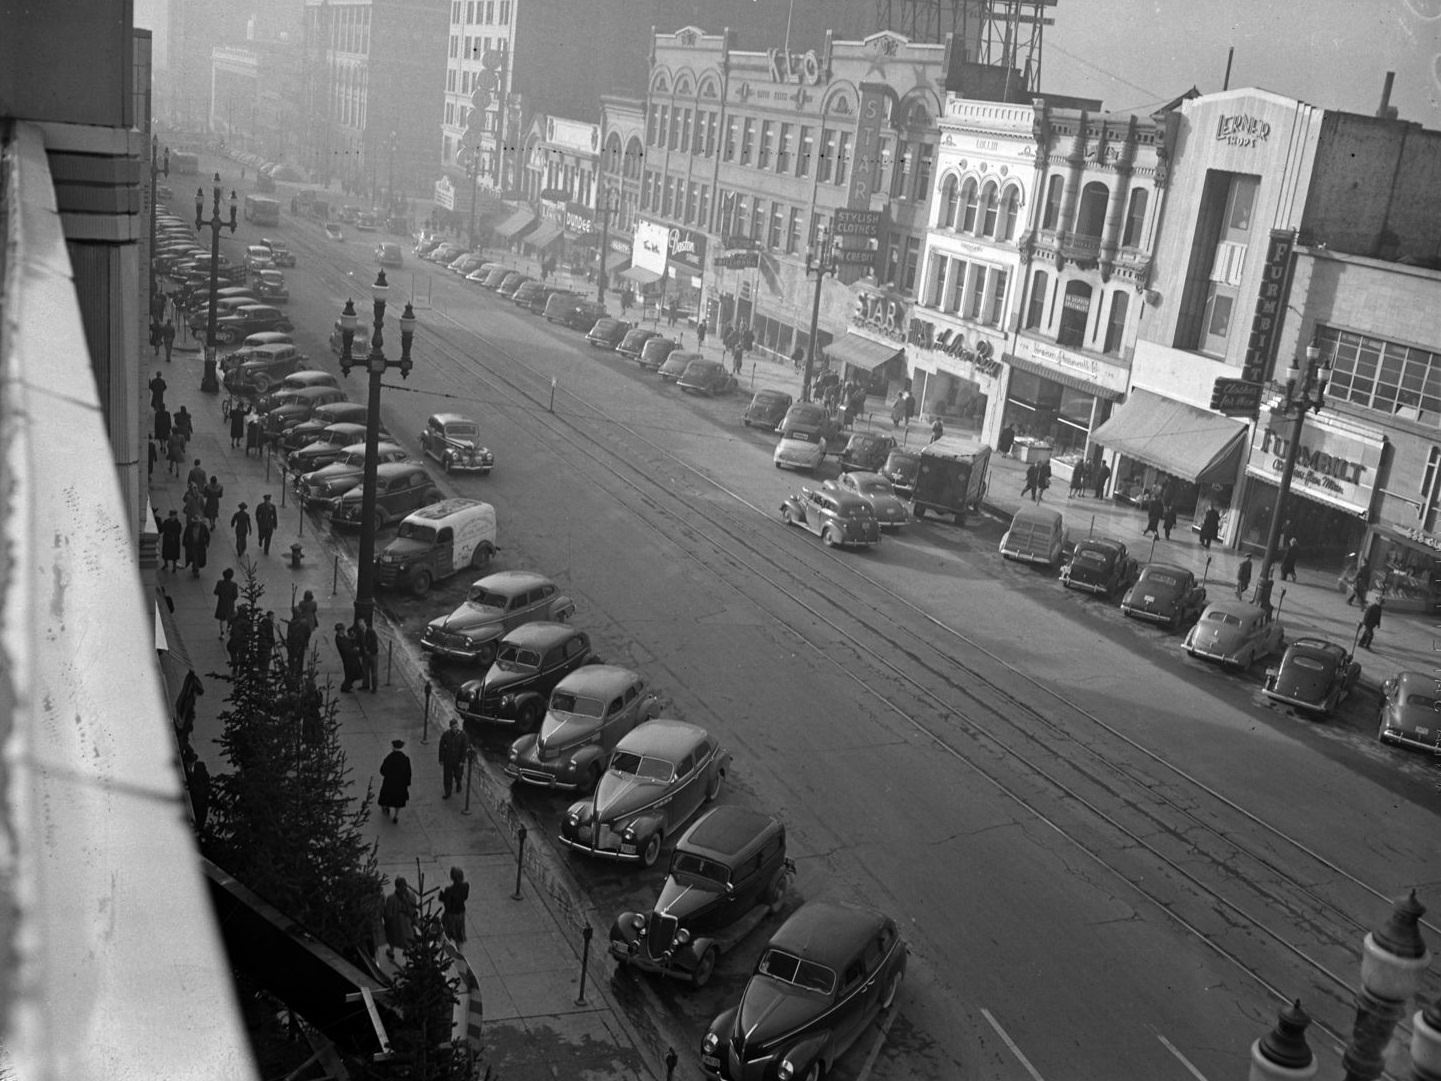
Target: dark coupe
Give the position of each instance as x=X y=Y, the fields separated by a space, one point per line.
x=767 y=409
x=529 y=662
x=1165 y=594
x=1314 y=675
x=1411 y=711
x=866 y=451
x=1100 y=565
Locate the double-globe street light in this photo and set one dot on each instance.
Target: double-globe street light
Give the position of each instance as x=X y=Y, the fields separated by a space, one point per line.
x=208 y=382
x=820 y=261
x=1305 y=392
x=376 y=364
x=609 y=204
x=1393 y=960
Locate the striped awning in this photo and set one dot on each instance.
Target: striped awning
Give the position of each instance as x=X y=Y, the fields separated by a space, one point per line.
x=543 y=235
x=518 y=222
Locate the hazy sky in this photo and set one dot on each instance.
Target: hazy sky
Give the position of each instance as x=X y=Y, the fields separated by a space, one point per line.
x=1331 y=53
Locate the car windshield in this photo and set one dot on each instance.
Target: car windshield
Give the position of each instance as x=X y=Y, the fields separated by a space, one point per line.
x=570 y=702
x=1421 y=701
x=875 y=486
x=460 y=431
x=688 y=869
x=1224 y=618
x=643 y=766
x=1163 y=578
x=788 y=968
x=416 y=531
x=515 y=658
x=487 y=598
x=1314 y=664
x=355 y=458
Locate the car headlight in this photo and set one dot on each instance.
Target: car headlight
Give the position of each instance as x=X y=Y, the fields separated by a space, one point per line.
x=507 y=701
x=710 y=1043
x=785 y=1071
x=573 y=818
x=682 y=936
x=629 y=834
x=513 y=755
x=637 y=923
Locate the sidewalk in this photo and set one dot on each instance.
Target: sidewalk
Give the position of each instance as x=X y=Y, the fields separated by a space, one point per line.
x=526 y=953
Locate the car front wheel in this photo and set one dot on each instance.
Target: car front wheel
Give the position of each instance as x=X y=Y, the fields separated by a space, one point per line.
x=704 y=967
x=529 y=717
x=651 y=852
x=829 y=538
x=420 y=584
x=787 y=517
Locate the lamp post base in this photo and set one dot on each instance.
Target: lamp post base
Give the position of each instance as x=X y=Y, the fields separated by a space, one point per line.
x=208 y=381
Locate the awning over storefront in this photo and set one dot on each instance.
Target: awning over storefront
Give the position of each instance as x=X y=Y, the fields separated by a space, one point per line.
x=1186 y=442
x=518 y=222
x=1066 y=379
x=861 y=352
x=543 y=235
x=640 y=275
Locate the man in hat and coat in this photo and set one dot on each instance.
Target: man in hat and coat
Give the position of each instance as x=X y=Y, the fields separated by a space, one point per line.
x=240 y=522
x=394 y=780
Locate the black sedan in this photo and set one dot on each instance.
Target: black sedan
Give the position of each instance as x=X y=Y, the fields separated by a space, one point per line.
x=1411 y=711
x=767 y=409
x=1100 y=565
x=1165 y=594
x=529 y=662
x=1315 y=675
x=608 y=333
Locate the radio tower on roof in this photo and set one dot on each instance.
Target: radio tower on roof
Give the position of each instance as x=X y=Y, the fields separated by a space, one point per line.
x=997 y=33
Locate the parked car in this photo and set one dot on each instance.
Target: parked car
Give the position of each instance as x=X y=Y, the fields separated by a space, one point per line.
x=1036 y=535
x=464 y=264
x=257 y=257
x=608 y=333
x=1411 y=711
x=310 y=429
x=806 y=432
x=1165 y=594
x=280 y=393
x=866 y=451
x=295 y=406
x=818 y=985
x=589 y=711
x=838 y=518
x=655 y=353
x=728 y=872
x=435 y=542
x=328 y=447
x=573 y=311
x=1314 y=675
x=271 y=288
x=251 y=319
x=388 y=253
x=540 y=300
x=262 y=367
x=876 y=492
x=367 y=222
x=708 y=377
x=634 y=341
x=675 y=364
x=495 y=605
x=234 y=359
x=767 y=409
x=454 y=441
x=425 y=243
x=401 y=487
x=512 y=283
x=527 y=293
x=1100 y=565
x=492 y=281
x=198 y=319
x=1235 y=633
x=333 y=231
x=444 y=253
x=529 y=662
x=480 y=273
x=321 y=489
x=281 y=256
x=348 y=214
x=661 y=773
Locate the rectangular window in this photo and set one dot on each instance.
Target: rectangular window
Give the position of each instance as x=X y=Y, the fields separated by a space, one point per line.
x=505 y=12
x=892 y=249
x=957 y=271
x=843 y=156
x=469 y=46
x=763 y=160
x=826 y=165
x=807 y=149
x=998 y=299
x=662 y=124
x=692 y=192
x=936 y=281
x=703 y=210
x=712 y=126
x=685 y=129
x=450 y=80
x=758 y=221
x=650 y=125
x=784 y=148
x=733 y=124
x=742 y=216
x=674 y=141
x=725 y=212
x=911 y=263
x=748 y=140
x=977 y=289
x=1116 y=323
x=668 y=196
x=1430 y=490
x=817 y=223
x=454 y=46
x=778 y=226
x=901 y=171
x=793 y=234
x=697 y=146
x=925 y=161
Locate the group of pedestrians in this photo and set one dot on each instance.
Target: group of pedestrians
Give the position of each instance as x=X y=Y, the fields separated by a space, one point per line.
x=359 y=649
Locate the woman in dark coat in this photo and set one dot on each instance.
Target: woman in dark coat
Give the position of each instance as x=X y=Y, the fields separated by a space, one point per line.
x=211 y=494
x=1210 y=526
x=1005 y=440
x=349 y=656
x=453 y=897
x=1154 y=509
x=170 y=534
x=237 y=425
x=196 y=540
x=227 y=591
x=394 y=780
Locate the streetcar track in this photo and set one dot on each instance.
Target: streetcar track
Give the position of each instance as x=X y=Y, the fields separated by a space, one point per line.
x=628 y=471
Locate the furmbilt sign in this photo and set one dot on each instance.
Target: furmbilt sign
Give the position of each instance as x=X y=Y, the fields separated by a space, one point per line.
x=1270 y=303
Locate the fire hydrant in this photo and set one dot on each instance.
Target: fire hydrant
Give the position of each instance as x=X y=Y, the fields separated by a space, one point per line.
x=297 y=553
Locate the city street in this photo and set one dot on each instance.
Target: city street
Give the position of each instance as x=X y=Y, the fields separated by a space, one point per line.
x=1107 y=860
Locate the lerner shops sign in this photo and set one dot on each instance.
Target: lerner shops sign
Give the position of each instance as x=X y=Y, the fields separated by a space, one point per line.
x=1334 y=467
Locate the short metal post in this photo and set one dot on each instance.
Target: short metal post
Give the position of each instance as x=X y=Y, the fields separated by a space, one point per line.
x=552 y=394
x=1092 y=531
x=1206 y=571
x=389 y=660
x=519 y=861
x=300 y=513
x=292 y=596
x=586 y=936
x=425 y=722
x=283 y=486
x=1152 y=557
x=335 y=577
x=267 y=469
x=469 y=769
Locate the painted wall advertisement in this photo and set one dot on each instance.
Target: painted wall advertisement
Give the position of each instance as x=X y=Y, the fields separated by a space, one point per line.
x=652 y=241
x=1334 y=467
x=686 y=248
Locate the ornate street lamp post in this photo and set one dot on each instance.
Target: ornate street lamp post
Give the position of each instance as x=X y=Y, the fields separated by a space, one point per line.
x=609 y=205
x=1283 y=1054
x=818 y=263
x=208 y=382
x=156 y=168
x=376 y=364
x=1426 y=1043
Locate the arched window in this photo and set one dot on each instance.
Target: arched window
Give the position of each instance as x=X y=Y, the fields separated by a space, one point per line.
x=949 y=201
x=1054 y=187
x=1135 y=218
x=971 y=197
x=989 y=208
x=1091 y=217
x=1036 y=304
x=1010 y=211
x=1075 y=314
x=634 y=156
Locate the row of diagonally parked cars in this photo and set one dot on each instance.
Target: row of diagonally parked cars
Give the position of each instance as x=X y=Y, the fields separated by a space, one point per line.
x=594 y=730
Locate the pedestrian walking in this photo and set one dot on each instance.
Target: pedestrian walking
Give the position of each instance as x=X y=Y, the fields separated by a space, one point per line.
x=1103 y=474
x=265 y=638
x=227 y=591
x=452 y=899
x=1168 y=519
x=196 y=476
x=254 y=436
x=798 y=358
x=1078 y=477
x=162 y=426
x=395 y=780
x=184 y=422
x=898 y=410
x=170 y=533
x=748 y=340
x=1370 y=620
x=1043 y=478
x=1288 y=561
x=195 y=541
x=157 y=392
x=910 y=407
x=736 y=354
x=155 y=335
x=1210 y=527
x=198 y=785
x=266 y=519
x=240 y=522
x=1006 y=440
x=194 y=502
x=349 y=656
x=167 y=336
x=211 y=494
x=237 y=424
x=368 y=644
x=239 y=636
x=297 y=644
x=1154 y=509
x=153 y=455
x=1033 y=480
x=700 y=333
x=399 y=911
x=672 y=312
x=937 y=429
x=175 y=453
x=1243 y=576
x=454 y=748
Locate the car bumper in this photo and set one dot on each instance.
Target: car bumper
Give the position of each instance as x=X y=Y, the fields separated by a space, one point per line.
x=455 y=652
x=1020 y=555
x=1085 y=587
x=1148 y=615
x=1219 y=656
x=459 y=466
x=391 y=577
x=339 y=521
x=1297 y=703
x=1401 y=738
x=625 y=852
x=530 y=773
x=631 y=953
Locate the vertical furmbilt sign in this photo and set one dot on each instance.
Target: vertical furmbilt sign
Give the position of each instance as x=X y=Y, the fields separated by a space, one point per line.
x=1270 y=303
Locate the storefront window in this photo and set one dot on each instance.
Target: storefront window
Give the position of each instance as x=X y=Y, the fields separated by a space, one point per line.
x=1406 y=571
x=1325 y=533
x=1042 y=408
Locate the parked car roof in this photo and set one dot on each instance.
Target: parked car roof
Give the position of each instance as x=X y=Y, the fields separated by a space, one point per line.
x=827 y=932
x=727 y=832
x=662 y=738
x=540 y=635
x=598 y=680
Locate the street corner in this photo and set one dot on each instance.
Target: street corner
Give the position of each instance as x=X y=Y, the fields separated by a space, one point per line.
x=583 y=1046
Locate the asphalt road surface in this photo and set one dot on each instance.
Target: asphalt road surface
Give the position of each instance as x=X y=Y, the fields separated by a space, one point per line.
x=1108 y=861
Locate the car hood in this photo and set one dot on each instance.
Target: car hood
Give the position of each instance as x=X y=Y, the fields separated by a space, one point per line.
x=468 y=617
x=403 y=548
x=331 y=475
x=621 y=794
x=684 y=901
x=1303 y=684
x=561 y=731
x=770 y=1010
x=499 y=680
x=770 y=413
x=313 y=452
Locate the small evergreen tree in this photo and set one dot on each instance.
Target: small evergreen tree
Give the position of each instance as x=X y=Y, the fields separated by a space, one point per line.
x=423 y=996
x=282 y=820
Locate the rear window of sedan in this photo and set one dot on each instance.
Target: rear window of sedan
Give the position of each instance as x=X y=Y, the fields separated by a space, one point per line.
x=1422 y=701
x=853 y=510
x=1093 y=556
x=1313 y=663
x=1161 y=578
x=1224 y=618
x=788 y=968
x=643 y=766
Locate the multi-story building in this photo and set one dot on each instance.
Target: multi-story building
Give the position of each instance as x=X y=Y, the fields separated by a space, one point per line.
x=254 y=98
x=622 y=165
x=749 y=155
x=561 y=180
